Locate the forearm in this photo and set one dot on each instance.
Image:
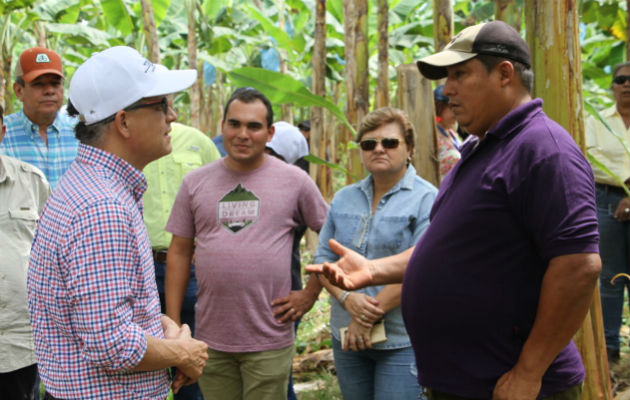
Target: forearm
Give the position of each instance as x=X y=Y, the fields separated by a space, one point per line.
x=313 y=286
x=332 y=289
x=389 y=297
x=566 y=295
x=160 y=354
x=178 y=263
x=390 y=269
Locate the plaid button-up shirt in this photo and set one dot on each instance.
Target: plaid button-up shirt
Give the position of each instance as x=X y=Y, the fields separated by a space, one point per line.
x=23 y=141
x=91 y=284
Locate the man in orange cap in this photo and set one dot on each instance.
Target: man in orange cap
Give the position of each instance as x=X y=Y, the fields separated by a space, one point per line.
x=39 y=134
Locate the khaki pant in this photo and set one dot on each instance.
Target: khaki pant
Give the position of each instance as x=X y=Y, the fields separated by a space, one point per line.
x=261 y=375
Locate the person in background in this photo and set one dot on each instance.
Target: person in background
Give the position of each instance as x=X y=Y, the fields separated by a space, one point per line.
x=613 y=205
x=511 y=251
x=239 y=214
x=218 y=142
x=39 y=134
x=305 y=129
x=23 y=192
x=190 y=150
x=92 y=298
x=447 y=138
x=379 y=216
x=289 y=145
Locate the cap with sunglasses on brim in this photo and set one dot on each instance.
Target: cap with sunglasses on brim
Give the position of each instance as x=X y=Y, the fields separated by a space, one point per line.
x=494 y=38
x=38 y=61
x=113 y=79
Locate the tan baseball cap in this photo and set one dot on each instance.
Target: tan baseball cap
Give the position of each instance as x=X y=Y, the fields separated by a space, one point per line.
x=494 y=38
x=37 y=61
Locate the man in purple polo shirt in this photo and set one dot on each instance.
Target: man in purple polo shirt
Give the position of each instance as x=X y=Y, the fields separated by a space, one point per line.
x=504 y=275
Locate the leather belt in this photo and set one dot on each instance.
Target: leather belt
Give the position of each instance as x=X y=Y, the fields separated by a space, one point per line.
x=159 y=256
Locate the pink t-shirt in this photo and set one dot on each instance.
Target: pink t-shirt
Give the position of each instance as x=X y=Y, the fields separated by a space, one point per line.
x=243 y=224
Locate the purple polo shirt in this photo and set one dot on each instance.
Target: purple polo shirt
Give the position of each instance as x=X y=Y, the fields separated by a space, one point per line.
x=523 y=195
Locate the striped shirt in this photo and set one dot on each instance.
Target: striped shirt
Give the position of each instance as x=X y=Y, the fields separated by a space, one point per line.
x=92 y=295
x=23 y=141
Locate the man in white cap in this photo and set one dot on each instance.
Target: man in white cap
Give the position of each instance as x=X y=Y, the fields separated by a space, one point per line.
x=511 y=253
x=92 y=296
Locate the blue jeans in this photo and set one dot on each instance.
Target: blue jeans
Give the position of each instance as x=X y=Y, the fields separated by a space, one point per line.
x=377 y=374
x=613 y=249
x=190 y=392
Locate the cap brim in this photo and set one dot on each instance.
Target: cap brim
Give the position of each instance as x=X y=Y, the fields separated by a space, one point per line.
x=31 y=76
x=172 y=81
x=434 y=66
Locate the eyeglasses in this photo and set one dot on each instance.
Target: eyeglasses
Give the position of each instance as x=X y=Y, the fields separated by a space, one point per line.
x=387 y=143
x=621 y=79
x=163 y=102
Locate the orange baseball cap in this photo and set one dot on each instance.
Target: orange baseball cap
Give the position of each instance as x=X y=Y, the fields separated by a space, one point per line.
x=38 y=61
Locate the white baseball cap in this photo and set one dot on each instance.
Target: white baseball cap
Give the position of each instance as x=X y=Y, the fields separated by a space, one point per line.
x=116 y=78
x=288 y=142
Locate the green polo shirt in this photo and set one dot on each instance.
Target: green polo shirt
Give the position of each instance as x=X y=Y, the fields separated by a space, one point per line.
x=191 y=150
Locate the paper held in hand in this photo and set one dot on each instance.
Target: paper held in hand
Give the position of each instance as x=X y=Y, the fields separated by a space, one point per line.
x=377 y=334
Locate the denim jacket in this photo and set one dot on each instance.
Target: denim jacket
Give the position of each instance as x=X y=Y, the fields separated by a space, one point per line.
x=400 y=218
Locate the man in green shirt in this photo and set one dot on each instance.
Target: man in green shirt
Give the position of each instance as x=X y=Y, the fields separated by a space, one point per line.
x=191 y=150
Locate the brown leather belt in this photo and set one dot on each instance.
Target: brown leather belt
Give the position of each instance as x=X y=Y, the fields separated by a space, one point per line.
x=159 y=256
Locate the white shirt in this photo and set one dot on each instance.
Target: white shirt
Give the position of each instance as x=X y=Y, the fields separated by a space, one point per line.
x=602 y=144
x=23 y=192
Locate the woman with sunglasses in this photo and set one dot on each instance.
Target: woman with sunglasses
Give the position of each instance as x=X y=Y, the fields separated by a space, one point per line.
x=381 y=215
x=613 y=205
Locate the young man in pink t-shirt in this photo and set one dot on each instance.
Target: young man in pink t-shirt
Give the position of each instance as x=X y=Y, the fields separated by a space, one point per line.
x=238 y=215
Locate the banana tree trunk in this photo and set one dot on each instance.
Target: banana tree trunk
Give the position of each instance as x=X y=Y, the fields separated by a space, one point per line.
x=443 y=23
x=195 y=95
x=415 y=97
x=553 y=37
x=150 y=31
x=40 y=31
x=628 y=30
x=318 y=136
x=509 y=12
x=382 y=89
x=357 y=75
x=287 y=110
x=5 y=83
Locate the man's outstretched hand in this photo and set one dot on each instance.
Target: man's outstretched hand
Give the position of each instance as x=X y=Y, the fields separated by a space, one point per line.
x=352 y=271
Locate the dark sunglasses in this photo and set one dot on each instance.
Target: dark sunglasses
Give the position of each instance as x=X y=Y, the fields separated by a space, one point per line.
x=621 y=79
x=387 y=143
x=162 y=102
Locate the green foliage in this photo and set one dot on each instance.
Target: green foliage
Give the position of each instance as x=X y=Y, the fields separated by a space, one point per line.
x=117 y=14
x=281 y=89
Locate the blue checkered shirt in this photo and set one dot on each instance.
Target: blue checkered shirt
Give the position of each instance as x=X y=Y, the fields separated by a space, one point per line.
x=92 y=296
x=24 y=142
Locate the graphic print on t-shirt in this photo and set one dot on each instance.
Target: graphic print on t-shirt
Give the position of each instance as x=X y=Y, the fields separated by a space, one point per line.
x=238 y=209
